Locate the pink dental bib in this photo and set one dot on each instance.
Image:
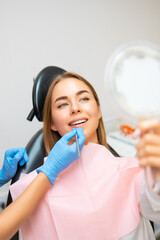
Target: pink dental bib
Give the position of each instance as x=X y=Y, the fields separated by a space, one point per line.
x=95 y=198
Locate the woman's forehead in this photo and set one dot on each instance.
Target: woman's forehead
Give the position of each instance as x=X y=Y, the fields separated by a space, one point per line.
x=69 y=86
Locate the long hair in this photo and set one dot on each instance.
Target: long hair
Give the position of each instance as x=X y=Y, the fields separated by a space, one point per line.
x=50 y=136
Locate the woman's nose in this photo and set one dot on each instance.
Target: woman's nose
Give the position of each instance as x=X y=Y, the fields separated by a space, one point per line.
x=75 y=108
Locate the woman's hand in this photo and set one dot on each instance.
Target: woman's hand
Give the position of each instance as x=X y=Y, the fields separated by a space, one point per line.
x=148 y=148
x=62 y=154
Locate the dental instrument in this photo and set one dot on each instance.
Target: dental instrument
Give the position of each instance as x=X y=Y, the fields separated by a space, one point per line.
x=77 y=145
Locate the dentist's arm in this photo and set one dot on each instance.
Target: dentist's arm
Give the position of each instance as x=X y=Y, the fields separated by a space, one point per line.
x=60 y=157
x=12 y=217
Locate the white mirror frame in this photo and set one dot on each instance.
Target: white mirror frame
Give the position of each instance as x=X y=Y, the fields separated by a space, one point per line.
x=132 y=75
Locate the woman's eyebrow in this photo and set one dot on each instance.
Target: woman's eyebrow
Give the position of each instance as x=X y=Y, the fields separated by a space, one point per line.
x=81 y=91
x=65 y=97
x=61 y=98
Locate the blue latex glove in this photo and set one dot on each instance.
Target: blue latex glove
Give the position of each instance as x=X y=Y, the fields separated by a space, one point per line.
x=11 y=159
x=62 y=154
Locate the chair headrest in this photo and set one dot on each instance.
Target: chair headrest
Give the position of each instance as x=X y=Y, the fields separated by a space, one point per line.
x=40 y=89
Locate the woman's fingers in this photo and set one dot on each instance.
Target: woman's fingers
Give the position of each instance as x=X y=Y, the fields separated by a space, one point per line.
x=152 y=161
x=149 y=125
x=148 y=150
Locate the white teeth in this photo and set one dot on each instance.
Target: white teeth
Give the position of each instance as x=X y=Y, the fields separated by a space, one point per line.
x=78 y=122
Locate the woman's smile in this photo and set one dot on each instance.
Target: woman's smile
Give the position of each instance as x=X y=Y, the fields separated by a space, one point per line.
x=78 y=122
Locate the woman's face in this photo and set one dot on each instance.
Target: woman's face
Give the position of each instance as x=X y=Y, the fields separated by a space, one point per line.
x=73 y=105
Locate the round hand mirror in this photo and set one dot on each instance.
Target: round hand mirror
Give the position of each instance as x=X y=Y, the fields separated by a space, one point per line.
x=132 y=75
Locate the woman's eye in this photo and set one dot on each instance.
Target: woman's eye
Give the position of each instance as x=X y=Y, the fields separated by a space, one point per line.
x=62 y=105
x=84 y=99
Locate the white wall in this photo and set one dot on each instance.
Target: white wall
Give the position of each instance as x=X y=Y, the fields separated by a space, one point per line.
x=75 y=35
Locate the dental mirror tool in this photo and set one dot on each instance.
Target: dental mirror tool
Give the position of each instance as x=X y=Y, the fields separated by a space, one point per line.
x=77 y=145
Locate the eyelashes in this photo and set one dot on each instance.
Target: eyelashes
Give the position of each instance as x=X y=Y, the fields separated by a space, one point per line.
x=63 y=105
x=84 y=99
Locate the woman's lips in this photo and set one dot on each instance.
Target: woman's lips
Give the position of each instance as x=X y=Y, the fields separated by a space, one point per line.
x=78 y=123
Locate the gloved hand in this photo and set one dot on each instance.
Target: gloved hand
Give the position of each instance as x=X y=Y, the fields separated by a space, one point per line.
x=62 y=154
x=11 y=159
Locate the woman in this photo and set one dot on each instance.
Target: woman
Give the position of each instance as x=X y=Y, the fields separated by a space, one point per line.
x=54 y=110
x=98 y=196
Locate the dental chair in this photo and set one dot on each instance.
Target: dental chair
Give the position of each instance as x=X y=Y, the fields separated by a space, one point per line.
x=35 y=148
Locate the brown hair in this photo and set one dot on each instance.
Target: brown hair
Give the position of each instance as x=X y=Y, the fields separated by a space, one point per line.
x=50 y=136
